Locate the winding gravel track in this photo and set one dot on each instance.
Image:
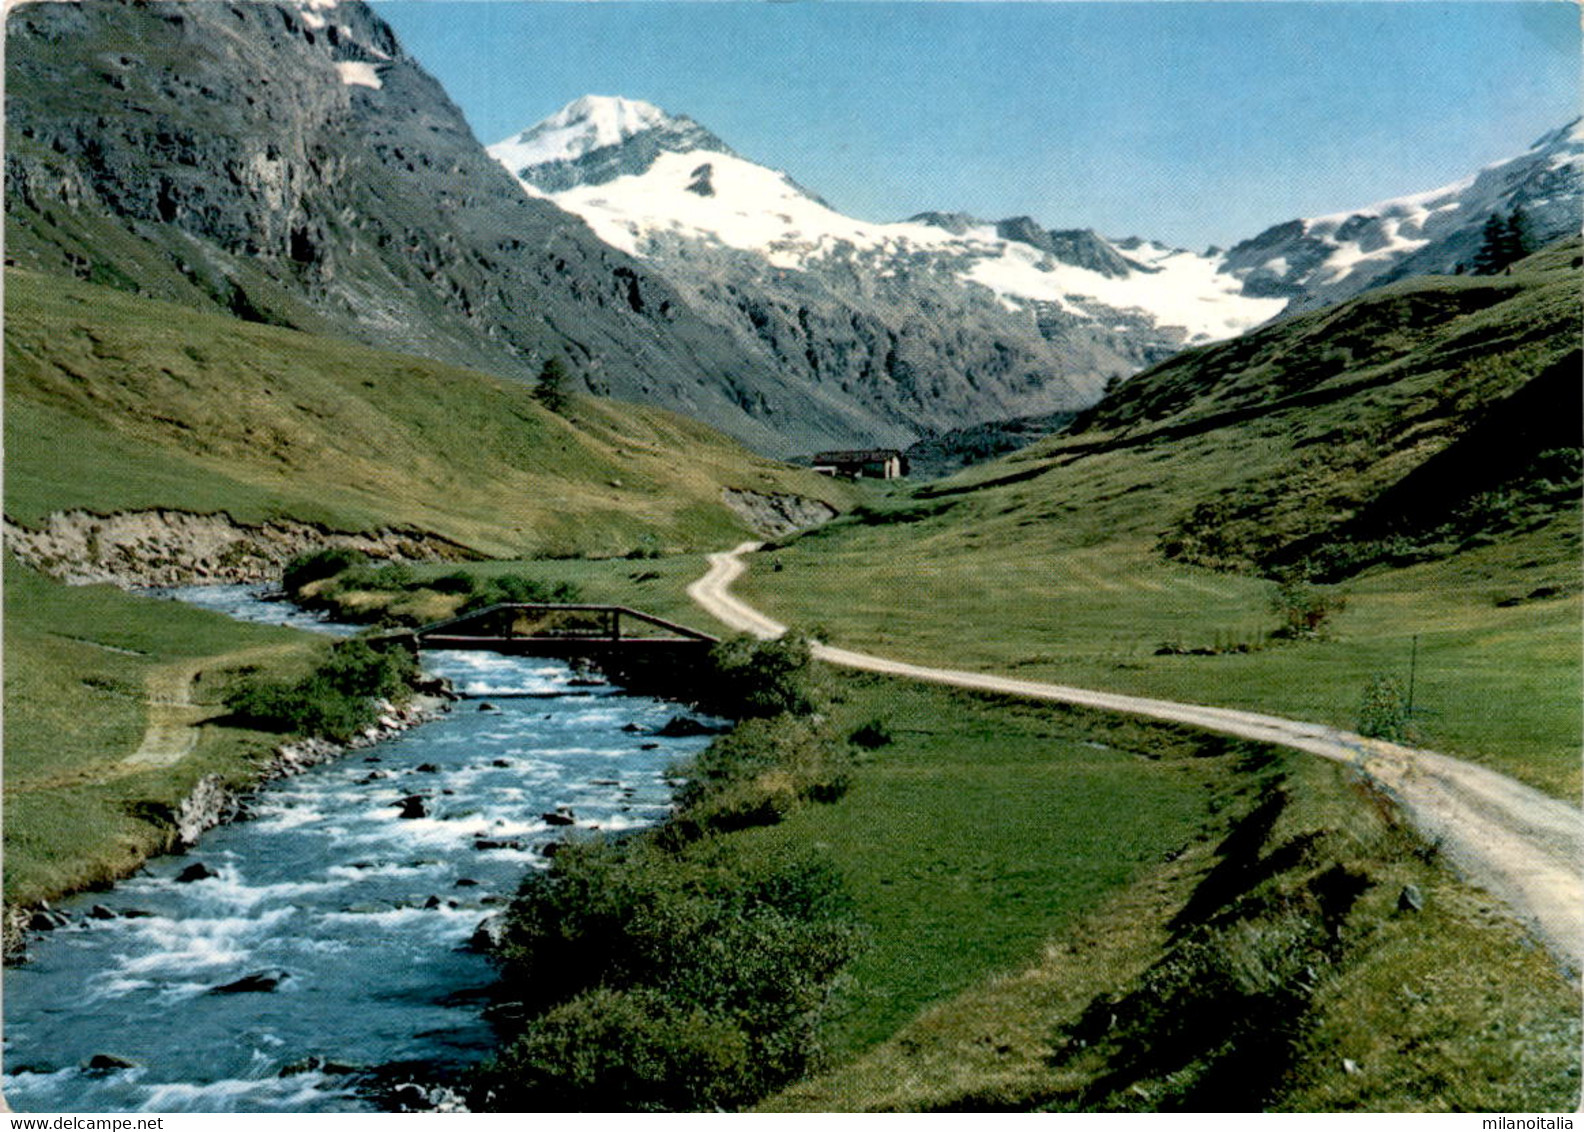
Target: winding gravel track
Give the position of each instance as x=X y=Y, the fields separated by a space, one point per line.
x=1524 y=847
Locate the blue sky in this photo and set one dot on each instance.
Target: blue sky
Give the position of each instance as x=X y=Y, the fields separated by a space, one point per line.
x=1194 y=123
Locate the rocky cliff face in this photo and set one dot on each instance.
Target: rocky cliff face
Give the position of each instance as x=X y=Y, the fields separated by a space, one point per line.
x=884 y=358
x=288 y=163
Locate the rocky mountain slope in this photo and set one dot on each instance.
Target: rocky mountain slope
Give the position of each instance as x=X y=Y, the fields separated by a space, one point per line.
x=288 y=163
x=1325 y=259
x=833 y=297
x=1038 y=319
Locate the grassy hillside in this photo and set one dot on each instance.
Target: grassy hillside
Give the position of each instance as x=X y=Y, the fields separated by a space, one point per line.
x=1135 y=554
x=115 y=402
x=82 y=666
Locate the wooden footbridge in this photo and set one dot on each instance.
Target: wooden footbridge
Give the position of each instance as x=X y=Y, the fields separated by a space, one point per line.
x=593 y=632
x=635 y=649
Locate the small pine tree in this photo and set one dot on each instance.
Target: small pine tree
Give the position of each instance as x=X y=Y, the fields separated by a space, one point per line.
x=1516 y=240
x=1383 y=714
x=1488 y=260
x=551 y=390
x=1504 y=241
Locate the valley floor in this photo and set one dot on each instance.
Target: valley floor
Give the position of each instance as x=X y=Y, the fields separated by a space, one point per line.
x=1511 y=839
x=112 y=719
x=1366 y=1026
x=1023 y=868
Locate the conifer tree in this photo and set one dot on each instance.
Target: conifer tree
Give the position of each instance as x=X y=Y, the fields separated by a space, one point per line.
x=1517 y=241
x=551 y=389
x=1488 y=260
x=1503 y=242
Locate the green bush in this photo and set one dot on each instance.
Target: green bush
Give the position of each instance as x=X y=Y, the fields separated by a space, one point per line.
x=622 y=1050
x=519 y=589
x=338 y=699
x=390 y=576
x=1383 y=711
x=1303 y=609
x=457 y=582
x=319 y=564
x=355 y=668
x=757 y=679
x=757 y=774
x=872 y=735
x=640 y=963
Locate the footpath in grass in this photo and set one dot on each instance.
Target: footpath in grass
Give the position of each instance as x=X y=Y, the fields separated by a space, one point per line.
x=80 y=663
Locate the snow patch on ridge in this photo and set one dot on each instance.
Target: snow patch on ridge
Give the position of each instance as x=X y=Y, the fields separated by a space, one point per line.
x=359 y=74
x=1185 y=289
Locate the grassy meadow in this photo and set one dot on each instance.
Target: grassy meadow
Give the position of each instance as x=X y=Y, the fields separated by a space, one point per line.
x=1496 y=684
x=1261 y=960
x=81 y=667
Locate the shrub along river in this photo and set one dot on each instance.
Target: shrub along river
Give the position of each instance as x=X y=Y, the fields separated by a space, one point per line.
x=332 y=933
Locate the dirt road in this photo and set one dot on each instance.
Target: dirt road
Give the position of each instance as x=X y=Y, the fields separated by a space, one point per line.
x=1522 y=846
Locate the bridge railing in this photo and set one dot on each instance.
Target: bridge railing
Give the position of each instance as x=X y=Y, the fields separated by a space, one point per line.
x=610 y=630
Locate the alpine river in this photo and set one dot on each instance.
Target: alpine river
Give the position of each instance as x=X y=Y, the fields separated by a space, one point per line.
x=362 y=915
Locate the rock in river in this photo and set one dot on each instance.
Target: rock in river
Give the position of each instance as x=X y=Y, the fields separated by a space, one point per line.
x=106 y=1062
x=257 y=983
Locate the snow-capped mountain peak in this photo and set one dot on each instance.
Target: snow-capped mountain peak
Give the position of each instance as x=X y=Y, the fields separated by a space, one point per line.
x=673 y=192
x=589 y=123
x=596 y=139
